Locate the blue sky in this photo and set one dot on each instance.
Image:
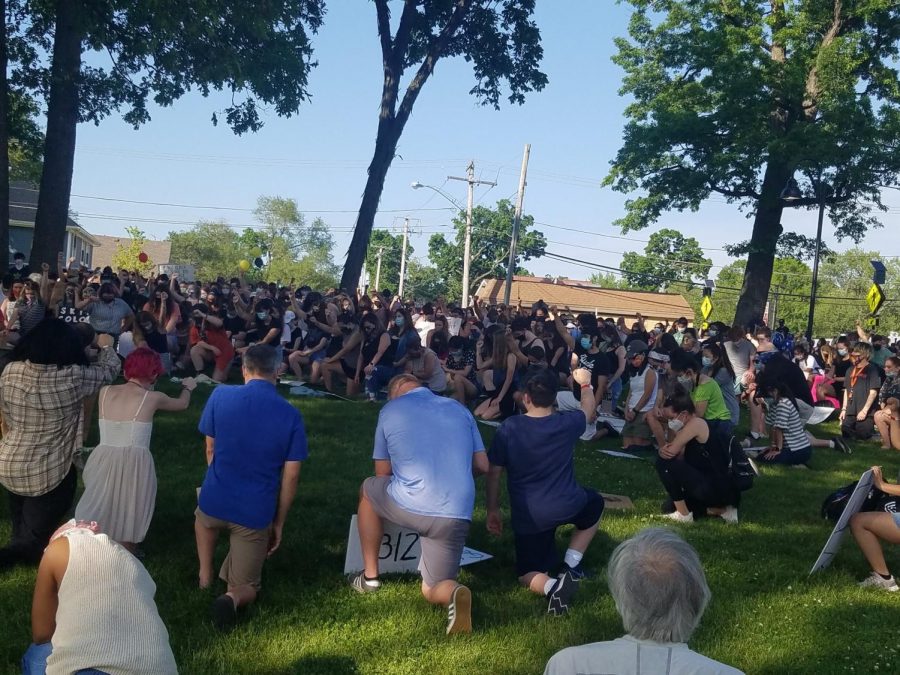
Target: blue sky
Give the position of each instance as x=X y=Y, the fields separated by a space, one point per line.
x=320 y=156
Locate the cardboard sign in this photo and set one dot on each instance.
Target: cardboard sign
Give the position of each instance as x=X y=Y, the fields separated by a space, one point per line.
x=863 y=487
x=820 y=414
x=616 y=423
x=184 y=272
x=454 y=323
x=399 y=553
x=617 y=502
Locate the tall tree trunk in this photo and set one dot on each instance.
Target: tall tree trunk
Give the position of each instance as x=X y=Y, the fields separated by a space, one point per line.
x=59 y=144
x=389 y=131
x=4 y=145
x=763 y=243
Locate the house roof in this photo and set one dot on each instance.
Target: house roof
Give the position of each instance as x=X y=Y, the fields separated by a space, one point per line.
x=582 y=296
x=158 y=251
x=23 y=200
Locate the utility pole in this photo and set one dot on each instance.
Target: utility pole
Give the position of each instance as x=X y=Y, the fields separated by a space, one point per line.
x=517 y=219
x=470 y=203
x=775 y=292
x=378 y=269
x=403 y=258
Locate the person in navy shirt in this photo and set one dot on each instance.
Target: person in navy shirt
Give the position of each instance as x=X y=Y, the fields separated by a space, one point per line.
x=425 y=484
x=255 y=443
x=537 y=450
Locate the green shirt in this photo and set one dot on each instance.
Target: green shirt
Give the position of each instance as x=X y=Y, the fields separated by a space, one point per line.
x=715 y=402
x=879 y=356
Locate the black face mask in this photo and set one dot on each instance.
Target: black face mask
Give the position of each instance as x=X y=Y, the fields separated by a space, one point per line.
x=347 y=331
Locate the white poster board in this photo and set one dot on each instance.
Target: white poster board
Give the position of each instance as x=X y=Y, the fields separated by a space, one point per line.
x=454 y=323
x=184 y=272
x=863 y=487
x=399 y=553
x=820 y=414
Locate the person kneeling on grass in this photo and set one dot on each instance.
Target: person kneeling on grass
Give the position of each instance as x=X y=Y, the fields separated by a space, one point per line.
x=693 y=467
x=425 y=487
x=537 y=451
x=255 y=443
x=643 y=388
x=869 y=527
x=93 y=609
x=657 y=582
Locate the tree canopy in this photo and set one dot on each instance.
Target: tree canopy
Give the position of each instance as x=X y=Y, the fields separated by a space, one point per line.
x=491 y=232
x=669 y=257
x=500 y=40
x=128 y=256
x=391 y=246
x=732 y=99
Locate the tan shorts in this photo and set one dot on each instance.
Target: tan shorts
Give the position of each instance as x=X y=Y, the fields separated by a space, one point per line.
x=246 y=551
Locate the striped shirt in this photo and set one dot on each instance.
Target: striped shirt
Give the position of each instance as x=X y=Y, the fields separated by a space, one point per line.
x=41 y=406
x=106 y=317
x=783 y=415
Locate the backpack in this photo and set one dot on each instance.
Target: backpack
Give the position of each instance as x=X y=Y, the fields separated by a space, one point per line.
x=836 y=502
x=740 y=468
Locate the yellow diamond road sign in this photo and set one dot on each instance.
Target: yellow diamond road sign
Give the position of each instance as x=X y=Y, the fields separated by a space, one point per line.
x=706 y=307
x=875 y=298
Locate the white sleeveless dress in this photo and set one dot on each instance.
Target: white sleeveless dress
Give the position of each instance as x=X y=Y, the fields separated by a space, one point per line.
x=120 y=478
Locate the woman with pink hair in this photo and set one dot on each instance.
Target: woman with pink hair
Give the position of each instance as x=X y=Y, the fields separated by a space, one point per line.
x=120 y=477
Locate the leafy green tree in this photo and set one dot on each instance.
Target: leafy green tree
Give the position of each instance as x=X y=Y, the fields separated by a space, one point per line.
x=610 y=280
x=128 y=256
x=669 y=257
x=733 y=98
x=214 y=249
x=491 y=233
x=499 y=39
x=391 y=246
x=423 y=282
x=259 y=51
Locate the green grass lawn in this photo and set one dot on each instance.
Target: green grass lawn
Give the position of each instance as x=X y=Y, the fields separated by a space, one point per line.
x=766 y=615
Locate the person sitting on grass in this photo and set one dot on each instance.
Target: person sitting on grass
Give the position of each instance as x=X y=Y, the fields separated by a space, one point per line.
x=869 y=528
x=537 y=451
x=93 y=608
x=693 y=467
x=500 y=368
x=643 y=388
x=790 y=443
x=589 y=356
x=428 y=488
x=886 y=418
x=255 y=443
x=460 y=369
x=210 y=343
x=861 y=386
x=425 y=365
x=343 y=362
x=657 y=583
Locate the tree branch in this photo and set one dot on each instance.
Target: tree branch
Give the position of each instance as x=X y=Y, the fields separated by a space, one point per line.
x=810 y=104
x=384 y=29
x=431 y=58
x=401 y=40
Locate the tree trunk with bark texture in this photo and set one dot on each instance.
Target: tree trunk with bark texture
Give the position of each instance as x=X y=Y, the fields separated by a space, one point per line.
x=4 y=146
x=763 y=242
x=59 y=145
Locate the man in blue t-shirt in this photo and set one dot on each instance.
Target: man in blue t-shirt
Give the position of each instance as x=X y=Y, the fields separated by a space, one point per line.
x=537 y=451
x=255 y=442
x=425 y=484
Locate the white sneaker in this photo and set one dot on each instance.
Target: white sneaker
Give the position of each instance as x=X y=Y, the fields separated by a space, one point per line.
x=678 y=518
x=875 y=580
x=729 y=515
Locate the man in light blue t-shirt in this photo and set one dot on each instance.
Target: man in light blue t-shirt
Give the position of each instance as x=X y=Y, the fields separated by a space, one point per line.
x=425 y=484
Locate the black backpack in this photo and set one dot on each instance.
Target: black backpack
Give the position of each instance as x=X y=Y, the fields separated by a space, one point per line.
x=836 y=502
x=740 y=469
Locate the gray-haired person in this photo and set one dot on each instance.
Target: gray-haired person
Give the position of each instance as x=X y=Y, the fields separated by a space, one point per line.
x=660 y=591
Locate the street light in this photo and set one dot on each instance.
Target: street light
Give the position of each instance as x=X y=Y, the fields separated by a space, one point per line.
x=792 y=194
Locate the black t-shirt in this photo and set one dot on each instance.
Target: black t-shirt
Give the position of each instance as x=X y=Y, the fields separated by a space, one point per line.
x=157 y=342
x=598 y=364
x=789 y=372
x=19 y=275
x=858 y=389
x=71 y=314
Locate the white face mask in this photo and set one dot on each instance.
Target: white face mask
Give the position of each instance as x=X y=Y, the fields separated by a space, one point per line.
x=676 y=425
x=19 y=264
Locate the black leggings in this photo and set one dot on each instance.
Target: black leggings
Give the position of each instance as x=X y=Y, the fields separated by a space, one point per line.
x=34 y=519
x=698 y=489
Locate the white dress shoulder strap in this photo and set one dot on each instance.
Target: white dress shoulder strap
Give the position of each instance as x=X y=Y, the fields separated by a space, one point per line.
x=140 y=407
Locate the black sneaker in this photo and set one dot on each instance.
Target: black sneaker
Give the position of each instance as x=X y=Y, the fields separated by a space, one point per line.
x=578 y=572
x=223 y=612
x=562 y=593
x=842 y=445
x=360 y=584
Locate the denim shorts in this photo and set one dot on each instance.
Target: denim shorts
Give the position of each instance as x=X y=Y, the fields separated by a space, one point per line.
x=896 y=517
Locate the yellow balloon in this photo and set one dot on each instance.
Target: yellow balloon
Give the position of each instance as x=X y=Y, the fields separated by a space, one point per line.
x=244 y=265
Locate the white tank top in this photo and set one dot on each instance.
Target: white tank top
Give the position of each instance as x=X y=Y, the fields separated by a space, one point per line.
x=107 y=618
x=636 y=391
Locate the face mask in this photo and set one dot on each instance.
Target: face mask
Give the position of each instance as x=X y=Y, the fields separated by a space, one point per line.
x=676 y=425
x=877 y=345
x=680 y=329
x=686 y=382
x=147 y=327
x=19 y=264
x=585 y=343
x=657 y=331
x=456 y=355
x=707 y=362
x=262 y=315
x=842 y=352
x=713 y=333
x=106 y=298
x=399 y=321
x=890 y=374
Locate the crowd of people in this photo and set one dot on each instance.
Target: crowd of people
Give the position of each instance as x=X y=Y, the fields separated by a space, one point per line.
x=546 y=376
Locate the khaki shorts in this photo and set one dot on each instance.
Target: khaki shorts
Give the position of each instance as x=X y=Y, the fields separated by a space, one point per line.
x=638 y=428
x=247 y=551
x=442 y=539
